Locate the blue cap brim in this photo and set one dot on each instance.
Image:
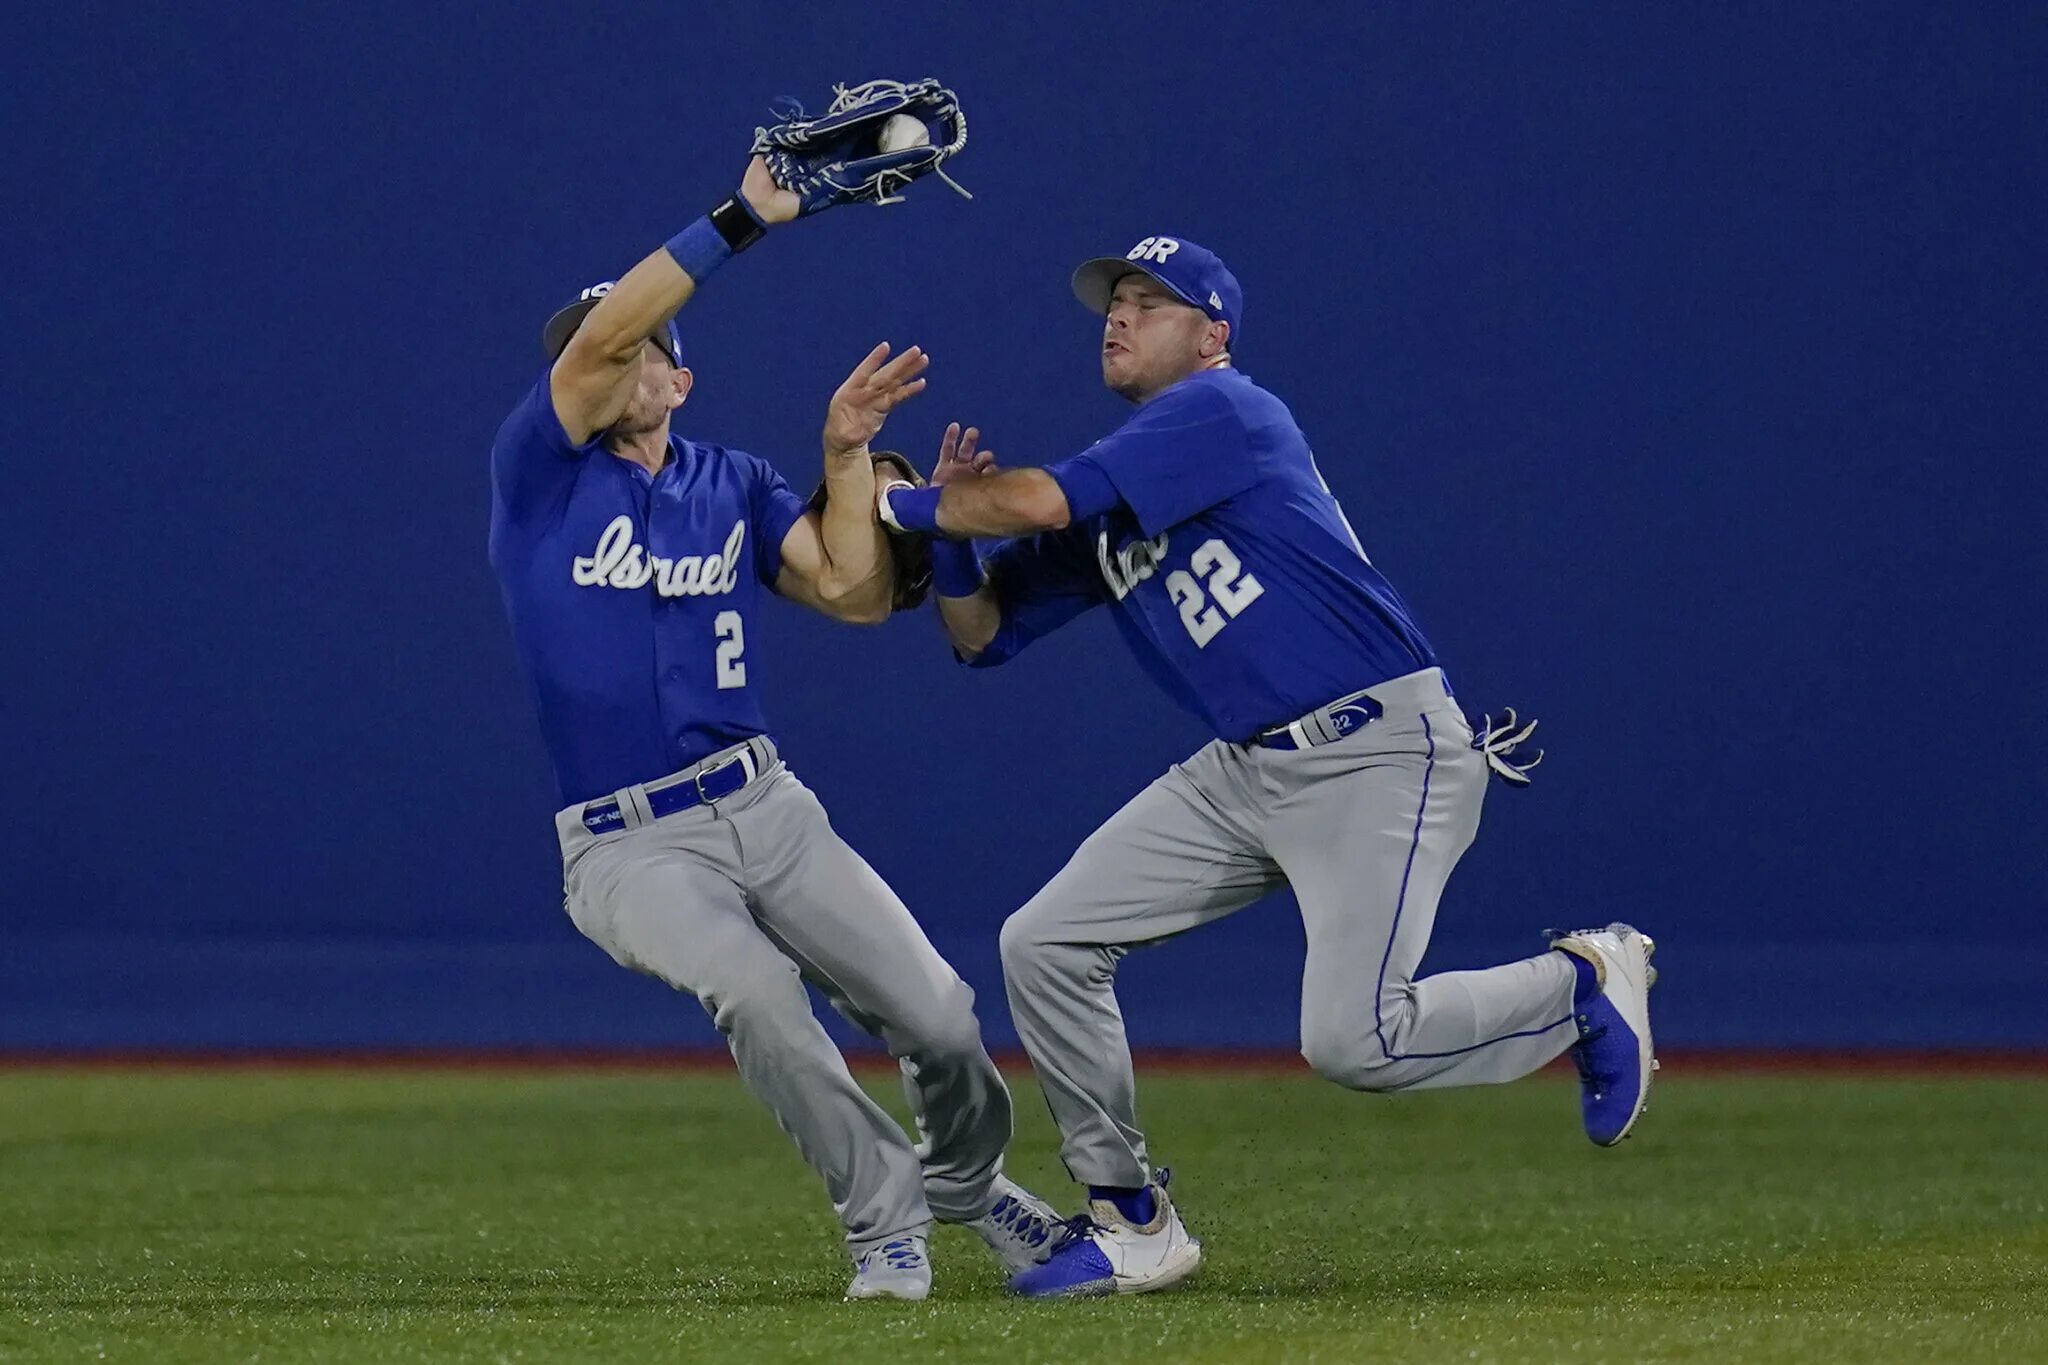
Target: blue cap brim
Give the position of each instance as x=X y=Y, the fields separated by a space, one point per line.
x=1095 y=280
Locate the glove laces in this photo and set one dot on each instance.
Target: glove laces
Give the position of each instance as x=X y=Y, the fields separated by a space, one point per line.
x=889 y=183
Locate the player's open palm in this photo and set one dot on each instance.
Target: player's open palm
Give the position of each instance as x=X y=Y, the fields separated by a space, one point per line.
x=870 y=394
x=959 y=458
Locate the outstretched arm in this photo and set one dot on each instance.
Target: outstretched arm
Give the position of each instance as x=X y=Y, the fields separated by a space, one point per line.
x=1032 y=586
x=1185 y=451
x=593 y=377
x=1016 y=502
x=837 y=560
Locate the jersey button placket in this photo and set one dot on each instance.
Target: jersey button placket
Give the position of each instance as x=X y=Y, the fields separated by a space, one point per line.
x=664 y=620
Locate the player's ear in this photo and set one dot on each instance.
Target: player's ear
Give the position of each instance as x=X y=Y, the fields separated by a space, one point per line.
x=1215 y=340
x=683 y=379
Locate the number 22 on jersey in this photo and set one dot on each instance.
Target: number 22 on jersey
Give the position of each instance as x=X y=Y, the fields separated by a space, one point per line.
x=1231 y=590
x=1209 y=593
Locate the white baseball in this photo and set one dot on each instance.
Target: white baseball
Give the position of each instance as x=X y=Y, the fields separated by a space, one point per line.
x=903 y=131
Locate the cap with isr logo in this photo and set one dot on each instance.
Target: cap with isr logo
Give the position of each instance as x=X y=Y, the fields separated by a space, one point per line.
x=1193 y=273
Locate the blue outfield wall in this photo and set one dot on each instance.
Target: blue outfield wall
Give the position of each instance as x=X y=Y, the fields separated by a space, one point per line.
x=1681 y=365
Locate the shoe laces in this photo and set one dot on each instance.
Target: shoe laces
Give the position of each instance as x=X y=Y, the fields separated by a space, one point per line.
x=900 y=1254
x=1079 y=1228
x=1021 y=1221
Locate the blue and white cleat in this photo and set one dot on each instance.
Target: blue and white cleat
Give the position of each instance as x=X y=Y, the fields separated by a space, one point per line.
x=1022 y=1229
x=1105 y=1253
x=897 y=1269
x=1614 y=1053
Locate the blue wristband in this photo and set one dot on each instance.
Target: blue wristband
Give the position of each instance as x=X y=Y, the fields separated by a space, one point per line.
x=699 y=249
x=916 y=509
x=956 y=569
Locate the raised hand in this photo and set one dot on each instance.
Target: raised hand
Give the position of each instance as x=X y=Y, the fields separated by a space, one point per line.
x=958 y=458
x=869 y=395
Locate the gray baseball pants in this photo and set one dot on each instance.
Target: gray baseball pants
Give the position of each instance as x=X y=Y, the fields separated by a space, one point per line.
x=741 y=901
x=1366 y=830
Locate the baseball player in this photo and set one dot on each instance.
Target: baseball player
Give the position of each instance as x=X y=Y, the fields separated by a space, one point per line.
x=1342 y=767
x=632 y=562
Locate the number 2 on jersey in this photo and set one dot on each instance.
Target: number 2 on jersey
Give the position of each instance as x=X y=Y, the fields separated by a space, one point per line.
x=1232 y=588
x=732 y=642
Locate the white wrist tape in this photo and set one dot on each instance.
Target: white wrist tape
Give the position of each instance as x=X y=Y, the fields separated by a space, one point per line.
x=885 y=511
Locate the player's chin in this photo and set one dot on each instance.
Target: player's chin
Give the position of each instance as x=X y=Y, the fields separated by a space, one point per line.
x=639 y=417
x=1117 y=374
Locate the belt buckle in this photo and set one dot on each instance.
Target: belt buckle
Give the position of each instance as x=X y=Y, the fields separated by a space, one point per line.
x=697 y=779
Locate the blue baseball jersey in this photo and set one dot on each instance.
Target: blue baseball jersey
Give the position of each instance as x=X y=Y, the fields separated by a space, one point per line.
x=1233 y=572
x=630 y=595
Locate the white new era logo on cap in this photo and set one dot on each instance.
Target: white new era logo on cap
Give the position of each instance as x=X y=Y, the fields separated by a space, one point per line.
x=1215 y=302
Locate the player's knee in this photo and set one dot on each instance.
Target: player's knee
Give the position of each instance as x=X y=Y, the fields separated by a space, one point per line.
x=1024 y=950
x=756 y=1004
x=1348 y=1059
x=945 y=1029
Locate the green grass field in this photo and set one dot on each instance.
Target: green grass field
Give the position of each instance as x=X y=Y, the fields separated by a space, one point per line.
x=395 y=1216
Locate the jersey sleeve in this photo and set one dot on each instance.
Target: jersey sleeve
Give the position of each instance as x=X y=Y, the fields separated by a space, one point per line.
x=1181 y=454
x=772 y=508
x=1041 y=582
x=533 y=461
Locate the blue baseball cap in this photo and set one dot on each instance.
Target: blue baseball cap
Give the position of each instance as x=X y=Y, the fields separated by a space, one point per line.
x=1195 y=275
x=569 y=317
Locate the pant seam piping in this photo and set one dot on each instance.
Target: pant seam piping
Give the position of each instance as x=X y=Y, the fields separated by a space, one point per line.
x=1401 y=898
x=1400 y=904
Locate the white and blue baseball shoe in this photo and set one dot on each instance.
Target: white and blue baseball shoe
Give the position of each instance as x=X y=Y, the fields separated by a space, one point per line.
x=1103 y=1252
x=1022 y=1229
x=897 y=1269
x=1614 y=1053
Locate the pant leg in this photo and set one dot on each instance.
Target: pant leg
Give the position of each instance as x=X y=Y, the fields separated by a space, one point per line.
x=856 y=939
x=1183 y=852
x=1367 y=831
x=662 y=910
